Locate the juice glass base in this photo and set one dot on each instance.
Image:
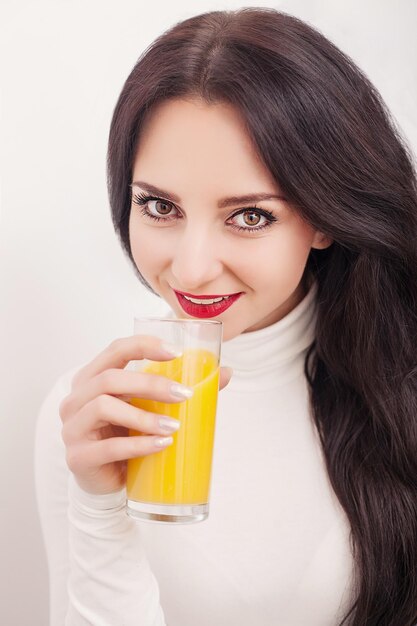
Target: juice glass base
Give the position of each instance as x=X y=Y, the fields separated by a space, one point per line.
x=167 y=513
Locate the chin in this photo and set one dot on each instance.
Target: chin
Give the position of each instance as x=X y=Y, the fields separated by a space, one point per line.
x=230 y=333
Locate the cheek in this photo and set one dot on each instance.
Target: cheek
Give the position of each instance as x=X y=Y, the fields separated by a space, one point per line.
x=141 y=252
x=144 y=251
x=278 y=260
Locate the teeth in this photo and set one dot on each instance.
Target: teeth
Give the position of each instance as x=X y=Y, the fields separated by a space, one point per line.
x=205 y=301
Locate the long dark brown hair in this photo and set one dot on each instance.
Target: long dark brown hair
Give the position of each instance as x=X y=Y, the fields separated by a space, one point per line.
x=324 y=133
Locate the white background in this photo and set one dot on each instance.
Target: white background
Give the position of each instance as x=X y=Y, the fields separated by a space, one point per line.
x=66 y=288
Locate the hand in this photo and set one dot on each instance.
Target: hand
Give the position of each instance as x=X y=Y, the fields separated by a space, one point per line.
x=96 y=415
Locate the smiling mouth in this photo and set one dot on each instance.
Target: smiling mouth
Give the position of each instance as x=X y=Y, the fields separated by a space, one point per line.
x=206 y=306
x=205 y=299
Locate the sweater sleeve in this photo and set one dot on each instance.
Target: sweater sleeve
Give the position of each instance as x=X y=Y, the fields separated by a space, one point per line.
x=110 y=582
x=98 y=570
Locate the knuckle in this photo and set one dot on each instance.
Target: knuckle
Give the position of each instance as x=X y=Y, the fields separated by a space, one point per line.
x=64 y=408
x=144 y=340
x=101 y=405
x=109 y=451
x=73 y=460
x=144 y=384
x=76 y=379
x=148 y=343
x=64 y=433
x=116 y=347
x=151 y=385
x=160 y=384
x=69 y=435
x=145 y=422
x=136 y=445
x=106 y=378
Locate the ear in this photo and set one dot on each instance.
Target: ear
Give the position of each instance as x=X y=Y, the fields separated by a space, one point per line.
x=321 y=241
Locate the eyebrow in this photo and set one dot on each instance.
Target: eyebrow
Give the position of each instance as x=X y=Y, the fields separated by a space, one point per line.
x=223 y=202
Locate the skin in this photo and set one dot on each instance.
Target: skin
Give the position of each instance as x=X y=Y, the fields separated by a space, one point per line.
x=200 y=153
x=96 y=415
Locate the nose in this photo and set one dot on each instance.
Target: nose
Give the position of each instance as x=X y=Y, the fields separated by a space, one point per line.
x=196 y=261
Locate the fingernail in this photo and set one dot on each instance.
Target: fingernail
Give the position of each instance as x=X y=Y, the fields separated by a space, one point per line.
x=171 y=349
x=168 y=424
x=162 y=442
x=181 y=391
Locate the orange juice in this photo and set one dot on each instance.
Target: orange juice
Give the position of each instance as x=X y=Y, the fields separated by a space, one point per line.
x=180 y=474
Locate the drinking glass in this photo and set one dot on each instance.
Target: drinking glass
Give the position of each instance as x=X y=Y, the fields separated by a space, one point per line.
x=173 y=485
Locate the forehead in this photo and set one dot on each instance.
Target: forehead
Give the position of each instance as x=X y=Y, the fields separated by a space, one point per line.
x=186 y=140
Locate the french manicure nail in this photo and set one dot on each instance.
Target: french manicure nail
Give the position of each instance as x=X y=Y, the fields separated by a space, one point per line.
x=168 y=424
x=161 y=442
x=181 y=391
x=171 y=349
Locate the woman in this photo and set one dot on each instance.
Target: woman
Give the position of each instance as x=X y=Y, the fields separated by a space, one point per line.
x=313 y=509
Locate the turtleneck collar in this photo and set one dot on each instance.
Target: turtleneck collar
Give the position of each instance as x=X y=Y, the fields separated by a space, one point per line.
x=269 y=357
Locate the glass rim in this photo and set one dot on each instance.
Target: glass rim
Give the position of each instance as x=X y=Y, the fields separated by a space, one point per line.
x=176 y=320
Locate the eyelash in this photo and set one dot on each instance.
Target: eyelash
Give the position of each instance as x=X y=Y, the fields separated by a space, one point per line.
x=142 y=199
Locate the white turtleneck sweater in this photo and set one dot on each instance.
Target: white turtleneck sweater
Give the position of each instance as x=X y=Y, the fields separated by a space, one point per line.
x=275 y=549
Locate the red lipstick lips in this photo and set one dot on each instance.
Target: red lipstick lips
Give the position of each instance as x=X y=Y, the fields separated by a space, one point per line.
x=205 y=310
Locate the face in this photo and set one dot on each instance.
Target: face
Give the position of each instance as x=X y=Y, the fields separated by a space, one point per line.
x=196 y=237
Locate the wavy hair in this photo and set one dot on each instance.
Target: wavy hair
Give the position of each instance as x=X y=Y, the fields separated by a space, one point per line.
x=324 y=133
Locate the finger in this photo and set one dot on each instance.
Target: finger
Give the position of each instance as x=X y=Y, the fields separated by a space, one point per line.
x=105 y=410
x=97 y=453
x=120 y=352
x=226 y=374
x=117 y=382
